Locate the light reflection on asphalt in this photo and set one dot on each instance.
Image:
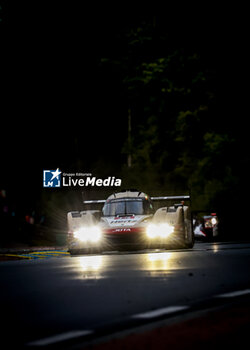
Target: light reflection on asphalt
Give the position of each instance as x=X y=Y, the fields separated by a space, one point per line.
x=148 y=263
x=91 y=263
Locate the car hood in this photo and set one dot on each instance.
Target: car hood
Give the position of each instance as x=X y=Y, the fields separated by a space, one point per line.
x=125 y=221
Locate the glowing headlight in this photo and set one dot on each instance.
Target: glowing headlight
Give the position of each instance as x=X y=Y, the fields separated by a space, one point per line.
x=88 y=234
x=159 y=231
x=151 y=231
x=214 y=221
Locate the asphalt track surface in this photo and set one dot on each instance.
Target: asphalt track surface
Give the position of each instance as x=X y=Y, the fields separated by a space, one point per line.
x=75 y=302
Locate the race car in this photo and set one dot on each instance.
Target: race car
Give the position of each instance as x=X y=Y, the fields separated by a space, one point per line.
x=207 y=227
x=128 y=221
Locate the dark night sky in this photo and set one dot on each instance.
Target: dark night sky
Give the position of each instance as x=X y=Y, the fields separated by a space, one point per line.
x=57 y=105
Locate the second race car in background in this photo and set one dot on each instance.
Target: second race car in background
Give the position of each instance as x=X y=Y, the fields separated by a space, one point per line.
x=206 y=228
x=128 y=221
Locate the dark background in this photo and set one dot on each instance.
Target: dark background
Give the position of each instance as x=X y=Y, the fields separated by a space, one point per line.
x=71 y=75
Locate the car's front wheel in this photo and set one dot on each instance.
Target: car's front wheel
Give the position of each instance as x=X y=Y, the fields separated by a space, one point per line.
x=189 y=235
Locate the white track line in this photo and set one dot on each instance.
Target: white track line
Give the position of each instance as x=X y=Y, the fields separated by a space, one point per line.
x=160 y=312
x=237 y=293
x=60 y=337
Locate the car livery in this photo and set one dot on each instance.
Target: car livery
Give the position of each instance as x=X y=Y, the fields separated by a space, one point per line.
x=128 y=221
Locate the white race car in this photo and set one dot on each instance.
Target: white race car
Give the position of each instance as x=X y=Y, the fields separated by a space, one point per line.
x=128 y=220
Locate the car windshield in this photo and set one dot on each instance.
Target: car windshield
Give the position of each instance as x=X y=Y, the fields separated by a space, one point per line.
x=136 y=206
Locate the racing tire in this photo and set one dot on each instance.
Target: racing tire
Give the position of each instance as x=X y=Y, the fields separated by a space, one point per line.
x=187 y=239
x=188 y=236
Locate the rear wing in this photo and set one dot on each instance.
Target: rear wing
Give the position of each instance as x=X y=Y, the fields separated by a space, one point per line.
x=170 y=198
x=99 y=201
x=95 y=201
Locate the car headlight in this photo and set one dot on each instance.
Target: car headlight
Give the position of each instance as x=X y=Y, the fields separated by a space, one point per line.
x=159 y=231
x=213 y=221
x=88 y=234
